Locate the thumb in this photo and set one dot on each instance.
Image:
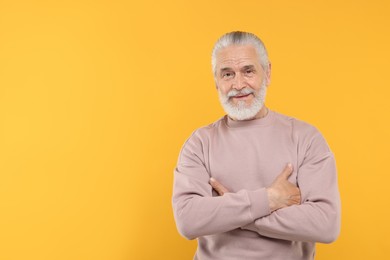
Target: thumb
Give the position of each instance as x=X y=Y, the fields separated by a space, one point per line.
x=287 y=171
x=218 y=187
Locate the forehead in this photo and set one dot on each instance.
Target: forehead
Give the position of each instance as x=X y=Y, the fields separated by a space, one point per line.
x=237 y=56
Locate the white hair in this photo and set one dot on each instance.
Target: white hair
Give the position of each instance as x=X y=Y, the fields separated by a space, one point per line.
x=240 y=38
x=241 y=111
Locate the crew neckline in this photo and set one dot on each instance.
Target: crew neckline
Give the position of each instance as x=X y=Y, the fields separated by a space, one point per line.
x=268 y=119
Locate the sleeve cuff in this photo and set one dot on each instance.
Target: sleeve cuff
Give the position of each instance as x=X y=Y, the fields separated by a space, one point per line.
x=259 y=203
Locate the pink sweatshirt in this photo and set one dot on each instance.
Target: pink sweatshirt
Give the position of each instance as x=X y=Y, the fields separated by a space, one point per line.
x=246 y=156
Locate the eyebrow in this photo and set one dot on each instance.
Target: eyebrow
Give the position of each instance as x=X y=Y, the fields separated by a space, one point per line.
x=243 y=68
x=225 y=69
x=252 y=67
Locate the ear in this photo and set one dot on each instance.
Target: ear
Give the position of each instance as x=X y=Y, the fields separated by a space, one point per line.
x=268 y=75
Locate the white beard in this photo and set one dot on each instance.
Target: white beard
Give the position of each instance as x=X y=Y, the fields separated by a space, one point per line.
x=241 y=111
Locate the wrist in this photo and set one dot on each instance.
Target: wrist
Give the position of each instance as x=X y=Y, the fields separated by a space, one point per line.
x=271 y=199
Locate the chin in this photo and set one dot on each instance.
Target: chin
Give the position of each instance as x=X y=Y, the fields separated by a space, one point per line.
x=241 y=114
x=242 y=110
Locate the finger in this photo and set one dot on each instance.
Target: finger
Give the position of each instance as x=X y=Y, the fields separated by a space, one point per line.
x=295 y=200
x=218 y=187
x=287 y=171
x=296 y=196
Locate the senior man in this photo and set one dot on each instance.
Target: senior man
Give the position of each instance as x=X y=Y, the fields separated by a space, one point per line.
x=255 y=184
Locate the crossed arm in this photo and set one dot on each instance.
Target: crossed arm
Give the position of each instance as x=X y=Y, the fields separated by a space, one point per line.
x=282 y=210
x=316 y=220
x=281 y=193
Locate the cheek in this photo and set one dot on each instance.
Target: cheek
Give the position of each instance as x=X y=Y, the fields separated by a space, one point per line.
x=223 y=88
x=255 y=84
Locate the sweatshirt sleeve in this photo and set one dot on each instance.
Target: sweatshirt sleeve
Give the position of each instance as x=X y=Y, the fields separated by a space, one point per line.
x=317 y=218
x=197 y=212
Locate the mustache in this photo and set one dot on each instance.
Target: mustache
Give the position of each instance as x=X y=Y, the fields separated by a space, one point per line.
x=244 y=91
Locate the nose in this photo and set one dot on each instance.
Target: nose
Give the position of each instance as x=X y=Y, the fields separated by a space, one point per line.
x=238 y=82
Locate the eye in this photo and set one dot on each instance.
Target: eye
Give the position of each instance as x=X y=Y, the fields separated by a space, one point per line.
x=249 y=71
x=227 y=75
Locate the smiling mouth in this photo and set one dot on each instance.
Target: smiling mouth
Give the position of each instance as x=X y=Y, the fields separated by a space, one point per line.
x=241 y=96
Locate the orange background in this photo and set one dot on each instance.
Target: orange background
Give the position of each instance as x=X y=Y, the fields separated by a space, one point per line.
x=97 y=97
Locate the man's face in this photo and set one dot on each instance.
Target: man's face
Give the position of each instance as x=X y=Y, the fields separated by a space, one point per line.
x=241 y=81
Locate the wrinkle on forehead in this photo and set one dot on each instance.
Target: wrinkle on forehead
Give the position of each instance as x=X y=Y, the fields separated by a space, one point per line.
x=237 y=62
x=237 y=56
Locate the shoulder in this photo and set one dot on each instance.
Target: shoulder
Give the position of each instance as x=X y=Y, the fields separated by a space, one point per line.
x=205 y=132
x=201 y=136
x=305 y=134
x=299 y=127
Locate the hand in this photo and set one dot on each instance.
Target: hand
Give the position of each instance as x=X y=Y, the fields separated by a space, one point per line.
x=283 y=193
x=218 y=187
